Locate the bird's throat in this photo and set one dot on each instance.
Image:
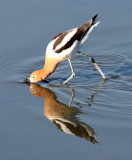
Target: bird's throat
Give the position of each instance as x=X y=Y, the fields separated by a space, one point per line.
x=48 y=69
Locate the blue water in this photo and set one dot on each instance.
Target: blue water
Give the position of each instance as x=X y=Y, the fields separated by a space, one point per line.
x=87 y=118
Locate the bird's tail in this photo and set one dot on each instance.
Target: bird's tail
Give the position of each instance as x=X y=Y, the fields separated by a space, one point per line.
x=94 y=21
x=88 y=28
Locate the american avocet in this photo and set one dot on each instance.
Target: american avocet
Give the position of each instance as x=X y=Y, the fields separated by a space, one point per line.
x=62 y=47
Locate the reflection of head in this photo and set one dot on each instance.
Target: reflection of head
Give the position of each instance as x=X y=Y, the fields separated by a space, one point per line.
x=63 y=116
x=39 y=91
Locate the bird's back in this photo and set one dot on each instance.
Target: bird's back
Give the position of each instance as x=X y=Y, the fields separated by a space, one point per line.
x=65 y=44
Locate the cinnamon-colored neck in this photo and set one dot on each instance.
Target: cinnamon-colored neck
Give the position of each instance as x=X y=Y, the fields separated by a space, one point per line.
x=48 y=69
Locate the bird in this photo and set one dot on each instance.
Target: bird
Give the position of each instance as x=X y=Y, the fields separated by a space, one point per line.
x=62 y=47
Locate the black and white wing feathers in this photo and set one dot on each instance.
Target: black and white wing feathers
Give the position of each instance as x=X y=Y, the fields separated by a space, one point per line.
x=66 y=39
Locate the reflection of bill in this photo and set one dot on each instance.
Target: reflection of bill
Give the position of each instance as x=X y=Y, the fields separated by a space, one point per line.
x=62 y=115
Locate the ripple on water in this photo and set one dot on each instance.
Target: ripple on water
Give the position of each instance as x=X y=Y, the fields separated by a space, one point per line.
x=104 y=104
x=116 y=67
x=114 y=103
x=17 y=70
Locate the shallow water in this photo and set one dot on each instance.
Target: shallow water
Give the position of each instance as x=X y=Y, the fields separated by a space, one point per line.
x=85 y=118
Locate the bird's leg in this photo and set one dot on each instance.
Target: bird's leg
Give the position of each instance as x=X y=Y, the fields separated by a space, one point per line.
x=73 y=74
x=96 y=65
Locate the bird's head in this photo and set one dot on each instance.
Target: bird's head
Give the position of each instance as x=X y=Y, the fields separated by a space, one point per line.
x=42 y=74
x=35 y=77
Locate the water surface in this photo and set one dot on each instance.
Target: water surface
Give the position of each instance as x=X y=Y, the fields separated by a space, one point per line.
x=87 y=118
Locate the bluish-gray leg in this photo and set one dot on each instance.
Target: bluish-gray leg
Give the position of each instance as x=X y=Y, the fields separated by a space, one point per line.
x=96 y=65
x=73 y=73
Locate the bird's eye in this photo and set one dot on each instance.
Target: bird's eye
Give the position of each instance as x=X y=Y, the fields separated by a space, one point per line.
x=33 y=76
x=33 y=90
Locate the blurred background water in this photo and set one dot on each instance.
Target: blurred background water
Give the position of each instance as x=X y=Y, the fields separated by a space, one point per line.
x=87 y=118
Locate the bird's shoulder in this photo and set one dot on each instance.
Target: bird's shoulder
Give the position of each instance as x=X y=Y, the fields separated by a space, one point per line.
x=62 y=40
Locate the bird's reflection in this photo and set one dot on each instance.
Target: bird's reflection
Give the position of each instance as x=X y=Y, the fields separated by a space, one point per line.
x=63 y=116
